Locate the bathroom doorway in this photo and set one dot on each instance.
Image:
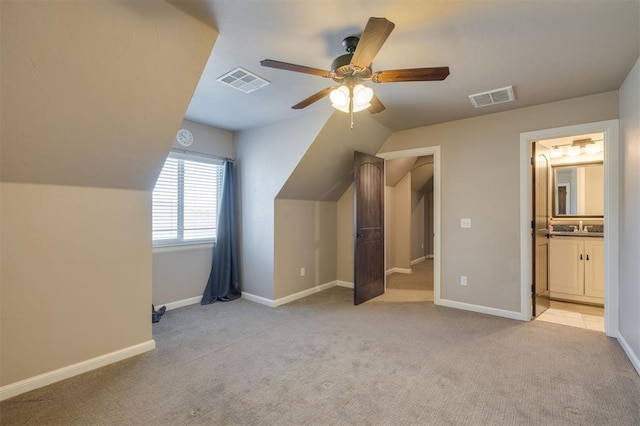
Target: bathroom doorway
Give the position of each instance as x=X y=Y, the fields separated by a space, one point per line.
x=584 y=239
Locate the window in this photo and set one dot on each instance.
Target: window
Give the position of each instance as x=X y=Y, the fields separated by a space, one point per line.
x=186 y=199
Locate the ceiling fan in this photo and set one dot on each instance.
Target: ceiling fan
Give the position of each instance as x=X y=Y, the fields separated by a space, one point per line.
x=354 y=67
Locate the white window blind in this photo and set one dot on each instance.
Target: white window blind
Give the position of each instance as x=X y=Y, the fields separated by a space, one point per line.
x=186 y=199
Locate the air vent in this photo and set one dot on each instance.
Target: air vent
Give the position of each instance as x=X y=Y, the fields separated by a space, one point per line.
x=492 y=97
x=242 y=80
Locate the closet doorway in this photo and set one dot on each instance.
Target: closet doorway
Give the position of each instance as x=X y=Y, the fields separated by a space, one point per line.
x=412 y=225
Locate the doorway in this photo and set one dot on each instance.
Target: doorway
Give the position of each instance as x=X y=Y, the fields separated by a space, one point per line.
x=568 y=195
x=609 y=129
x=431 y=265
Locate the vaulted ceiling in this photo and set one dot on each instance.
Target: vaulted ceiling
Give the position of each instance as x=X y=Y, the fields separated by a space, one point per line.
x=546 y=50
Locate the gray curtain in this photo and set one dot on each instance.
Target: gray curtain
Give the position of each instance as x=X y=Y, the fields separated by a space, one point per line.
x=224 y=280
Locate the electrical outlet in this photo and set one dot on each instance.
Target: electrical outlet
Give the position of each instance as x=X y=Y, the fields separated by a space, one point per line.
x=302 y=272
x=465 y=223
x=463 y=280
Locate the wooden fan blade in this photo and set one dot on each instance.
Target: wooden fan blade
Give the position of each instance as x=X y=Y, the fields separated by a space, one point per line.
x=373 y=37
x=313 y=98
x=413 y=74
x=376 y=105
x=293 y=67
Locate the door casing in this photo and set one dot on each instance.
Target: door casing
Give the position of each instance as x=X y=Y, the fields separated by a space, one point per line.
x=610 y=128
x=435 y=152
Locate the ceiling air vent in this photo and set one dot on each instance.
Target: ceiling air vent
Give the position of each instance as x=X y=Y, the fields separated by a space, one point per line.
x=242 y=80
x=492 y=97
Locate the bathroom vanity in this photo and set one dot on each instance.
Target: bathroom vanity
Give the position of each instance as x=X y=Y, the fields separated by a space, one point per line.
x=576 y=267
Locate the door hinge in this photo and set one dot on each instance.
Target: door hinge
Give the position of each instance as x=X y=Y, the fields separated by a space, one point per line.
x=533 y=224
x=533 y=288
x=532 y=161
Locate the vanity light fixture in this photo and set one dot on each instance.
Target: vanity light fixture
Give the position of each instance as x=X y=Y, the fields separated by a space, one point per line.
x=556 y=152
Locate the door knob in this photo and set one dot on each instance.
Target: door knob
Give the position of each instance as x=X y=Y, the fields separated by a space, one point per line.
x=359 y=235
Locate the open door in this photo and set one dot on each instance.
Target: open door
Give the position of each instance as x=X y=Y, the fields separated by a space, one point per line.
x=541 y=172
x=368 y=274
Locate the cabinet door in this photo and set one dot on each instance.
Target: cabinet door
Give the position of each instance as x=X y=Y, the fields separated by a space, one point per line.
x=594 y=268
x=565 y=266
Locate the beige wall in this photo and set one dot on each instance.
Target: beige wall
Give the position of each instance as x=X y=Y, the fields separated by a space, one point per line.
x=344 y=239
x=92 y=96
x=389 y=228
x=417 y=225
x=402 y=223
x=87 y=102
x=630 y=211
x=265 y=159
x=181 y=273
x=76 y=275
x=480 y=180
x=308 y=241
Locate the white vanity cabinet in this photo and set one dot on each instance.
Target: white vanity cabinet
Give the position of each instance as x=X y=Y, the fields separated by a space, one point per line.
x=576 y=269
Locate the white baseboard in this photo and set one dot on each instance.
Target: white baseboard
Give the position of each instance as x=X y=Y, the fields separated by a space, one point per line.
x=304 y=293
x=480 y=309
x=418 y=260
x=633 y=357
x=180 y=303
x=399 y=271
x=26 y=385
x=290 y=298
x=345 y=284
x=258 y=299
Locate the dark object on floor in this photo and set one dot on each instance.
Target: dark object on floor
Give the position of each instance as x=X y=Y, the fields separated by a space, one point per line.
x=156 y=315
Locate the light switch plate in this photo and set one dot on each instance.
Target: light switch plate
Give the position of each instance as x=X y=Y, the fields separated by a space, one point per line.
x=465 y=223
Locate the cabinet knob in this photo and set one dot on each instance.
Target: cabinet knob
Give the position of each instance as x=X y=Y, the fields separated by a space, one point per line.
x=587 y=257
x=580 y=256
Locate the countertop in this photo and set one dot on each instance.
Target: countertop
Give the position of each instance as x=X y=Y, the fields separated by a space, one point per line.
x=576 y=234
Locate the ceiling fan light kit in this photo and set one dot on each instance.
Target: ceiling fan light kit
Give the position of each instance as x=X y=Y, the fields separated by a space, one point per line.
x=348 y=99
x=354 y=67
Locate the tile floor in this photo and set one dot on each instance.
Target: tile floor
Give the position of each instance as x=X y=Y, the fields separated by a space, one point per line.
x=574 y=315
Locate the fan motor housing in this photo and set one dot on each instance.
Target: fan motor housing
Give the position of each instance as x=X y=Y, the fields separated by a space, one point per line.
x=341 y=69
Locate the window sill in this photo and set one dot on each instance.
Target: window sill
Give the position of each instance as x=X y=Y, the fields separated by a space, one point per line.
x=171 y=248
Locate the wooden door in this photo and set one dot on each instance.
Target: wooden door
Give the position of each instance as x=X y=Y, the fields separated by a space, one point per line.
x=368 y=276
x=541 y=170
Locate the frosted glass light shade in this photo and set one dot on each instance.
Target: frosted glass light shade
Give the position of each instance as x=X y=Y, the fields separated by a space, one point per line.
x=362 y=96
x=340 y=98
x=556 y=152
x=573 y=151
x=592 y=148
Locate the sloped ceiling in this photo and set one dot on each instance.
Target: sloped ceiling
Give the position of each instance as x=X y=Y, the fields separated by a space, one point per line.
x=421 y=169
x=326 y=170
x=93 y=92
x=547 y=50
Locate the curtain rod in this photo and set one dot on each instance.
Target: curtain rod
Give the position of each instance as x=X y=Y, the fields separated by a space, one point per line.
x=202 y=154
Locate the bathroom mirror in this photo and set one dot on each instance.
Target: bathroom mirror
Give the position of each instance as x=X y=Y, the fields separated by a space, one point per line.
x=578 y=190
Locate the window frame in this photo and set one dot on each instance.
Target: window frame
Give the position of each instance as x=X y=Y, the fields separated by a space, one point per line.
x=180 y=242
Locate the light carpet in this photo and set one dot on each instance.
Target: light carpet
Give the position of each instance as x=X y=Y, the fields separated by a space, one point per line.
x=321 y=360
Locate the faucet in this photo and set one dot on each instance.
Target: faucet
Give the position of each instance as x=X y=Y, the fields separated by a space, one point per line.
x=580 y=228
